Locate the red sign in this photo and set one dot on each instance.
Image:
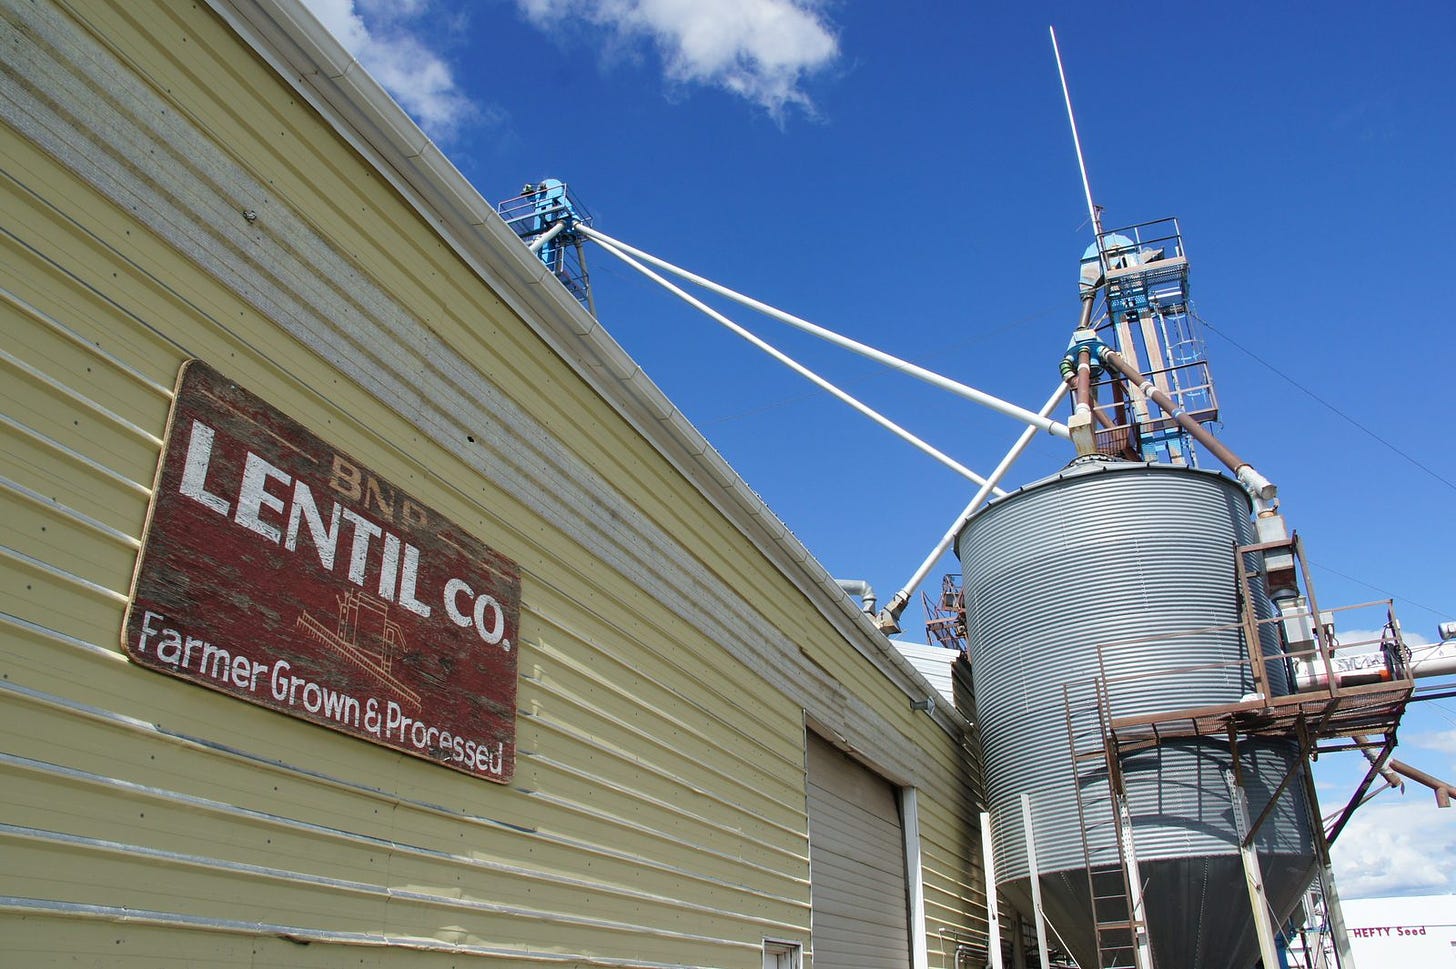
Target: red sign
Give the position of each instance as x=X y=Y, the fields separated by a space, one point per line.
x=282 y=571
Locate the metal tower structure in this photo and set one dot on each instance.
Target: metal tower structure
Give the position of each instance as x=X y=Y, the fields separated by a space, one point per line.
x=945 y=616
x=549 y=219
x=1144 y=274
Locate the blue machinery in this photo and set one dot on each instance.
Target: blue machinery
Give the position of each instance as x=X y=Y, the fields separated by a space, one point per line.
x=547 y=218
x=1145 y=274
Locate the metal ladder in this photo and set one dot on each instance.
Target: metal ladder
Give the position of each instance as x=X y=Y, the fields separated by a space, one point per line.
x=1120 y=930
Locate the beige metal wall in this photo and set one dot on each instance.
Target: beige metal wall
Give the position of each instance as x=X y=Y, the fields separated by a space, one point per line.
x=658 y=810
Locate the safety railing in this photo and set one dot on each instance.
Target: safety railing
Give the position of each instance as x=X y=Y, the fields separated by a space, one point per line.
x=1160 y=236
x=1277 y=684
x=536 y=209
x=1125 y=424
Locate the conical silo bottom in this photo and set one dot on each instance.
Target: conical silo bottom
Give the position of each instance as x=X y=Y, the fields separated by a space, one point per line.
x=1198 y=909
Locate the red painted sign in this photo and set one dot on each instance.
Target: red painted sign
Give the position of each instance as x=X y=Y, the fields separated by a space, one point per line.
x=281 y=571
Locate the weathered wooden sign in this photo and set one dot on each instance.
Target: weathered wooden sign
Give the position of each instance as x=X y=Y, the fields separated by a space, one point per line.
x=279 y=570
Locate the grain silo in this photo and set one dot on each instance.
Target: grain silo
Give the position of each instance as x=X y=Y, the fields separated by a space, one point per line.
x=1123 y=574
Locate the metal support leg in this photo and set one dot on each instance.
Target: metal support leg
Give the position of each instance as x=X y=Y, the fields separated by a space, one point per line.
x=993 y=914
x=1035 y=871
x=1142 y=945
x=1253 y=877
x=1334 y=915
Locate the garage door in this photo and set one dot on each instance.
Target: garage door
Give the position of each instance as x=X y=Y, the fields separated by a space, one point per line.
x=856 y=864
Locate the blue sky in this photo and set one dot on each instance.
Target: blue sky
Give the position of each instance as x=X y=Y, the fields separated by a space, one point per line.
x=906 y=176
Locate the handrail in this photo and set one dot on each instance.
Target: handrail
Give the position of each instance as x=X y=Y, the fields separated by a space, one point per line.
x=1106 y=651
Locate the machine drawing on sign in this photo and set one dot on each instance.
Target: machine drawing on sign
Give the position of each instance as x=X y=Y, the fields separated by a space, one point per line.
x=366 y=637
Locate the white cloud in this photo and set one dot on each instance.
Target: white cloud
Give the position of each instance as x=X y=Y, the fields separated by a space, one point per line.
x=1443 y=741
x=383 y=36
x=761 y=50
x=1397 y=846
x=1360 y=640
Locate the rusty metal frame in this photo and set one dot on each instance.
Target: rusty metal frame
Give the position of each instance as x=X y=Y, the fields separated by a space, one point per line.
x=1328 y=718
x=1358 y=797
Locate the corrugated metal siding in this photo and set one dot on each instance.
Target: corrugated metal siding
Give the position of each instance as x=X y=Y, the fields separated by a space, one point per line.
x=658 y=810
x=857 y=857
x=934 y=663
x=1106 y=556
x=1120 y=554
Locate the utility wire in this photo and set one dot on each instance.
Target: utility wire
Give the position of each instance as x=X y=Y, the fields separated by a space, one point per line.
x=1339 y=413
x=1385 y=592
x=1316 y=397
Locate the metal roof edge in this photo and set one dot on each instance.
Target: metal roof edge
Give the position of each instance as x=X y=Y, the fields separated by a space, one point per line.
x=286 y=35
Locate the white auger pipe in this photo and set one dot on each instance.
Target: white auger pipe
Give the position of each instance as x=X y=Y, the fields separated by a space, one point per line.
x=803 y=371
x=1373 y=666
x=892 y=612
x=1040 y=421
x=546 y=237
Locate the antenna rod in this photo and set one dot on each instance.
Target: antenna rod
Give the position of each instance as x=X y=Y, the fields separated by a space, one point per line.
x=1076 y=141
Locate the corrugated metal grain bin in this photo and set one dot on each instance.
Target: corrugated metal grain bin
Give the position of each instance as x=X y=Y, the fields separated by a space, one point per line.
x=400 y=435
x=1139 y=557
